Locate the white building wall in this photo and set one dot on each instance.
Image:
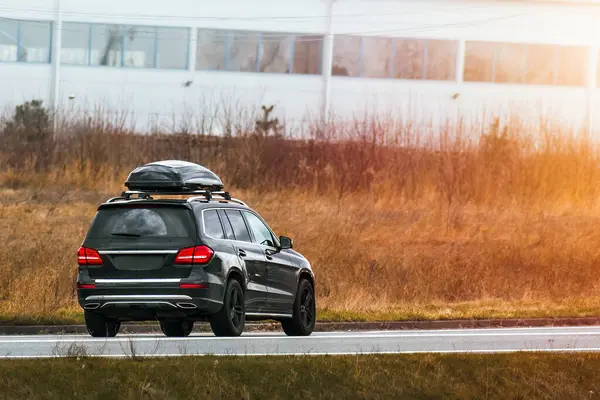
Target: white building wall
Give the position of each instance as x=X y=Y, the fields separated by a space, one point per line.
x=159 y=96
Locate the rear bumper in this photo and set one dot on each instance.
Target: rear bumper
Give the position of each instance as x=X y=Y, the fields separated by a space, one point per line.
x=159 y=301
x=143 y=302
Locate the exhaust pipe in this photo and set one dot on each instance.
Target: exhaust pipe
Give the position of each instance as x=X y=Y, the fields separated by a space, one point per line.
x=91 y=306
x=187 y=306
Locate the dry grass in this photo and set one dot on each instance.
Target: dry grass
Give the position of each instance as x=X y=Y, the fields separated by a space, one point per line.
x=504 y=226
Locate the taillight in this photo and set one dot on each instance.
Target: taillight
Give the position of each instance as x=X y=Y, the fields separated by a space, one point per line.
x=193 y=286
x=194 y=255
x=86 y=286
x=86 y=256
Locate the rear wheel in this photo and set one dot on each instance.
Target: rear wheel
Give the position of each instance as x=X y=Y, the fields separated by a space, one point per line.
x=303 y=320
x=177 y=328
x=99 y=326
x=231 y=318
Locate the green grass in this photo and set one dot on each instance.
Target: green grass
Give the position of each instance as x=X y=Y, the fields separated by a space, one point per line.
x=506 y=376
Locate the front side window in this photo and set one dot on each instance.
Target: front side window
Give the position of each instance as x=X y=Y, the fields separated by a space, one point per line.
x=262 y=234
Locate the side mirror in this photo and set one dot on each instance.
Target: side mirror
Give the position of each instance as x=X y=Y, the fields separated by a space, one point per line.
x=285 y=242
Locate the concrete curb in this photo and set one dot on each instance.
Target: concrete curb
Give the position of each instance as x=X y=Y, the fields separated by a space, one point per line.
x=324 y=326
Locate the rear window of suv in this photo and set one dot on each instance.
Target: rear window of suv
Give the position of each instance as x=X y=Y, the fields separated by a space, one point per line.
x=162 y=221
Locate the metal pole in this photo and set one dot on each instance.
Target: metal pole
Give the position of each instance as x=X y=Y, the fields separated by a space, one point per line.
x=55 y=80
x=192 y=50
x=326 y=65
x=460 y=62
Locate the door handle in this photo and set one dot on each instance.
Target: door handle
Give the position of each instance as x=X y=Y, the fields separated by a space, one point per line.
x=242 y=253
x=269 y=257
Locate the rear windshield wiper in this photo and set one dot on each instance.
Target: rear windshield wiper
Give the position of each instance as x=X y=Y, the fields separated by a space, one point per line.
x=125 y=234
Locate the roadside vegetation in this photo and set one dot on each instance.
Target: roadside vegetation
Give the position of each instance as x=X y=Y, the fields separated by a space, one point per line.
x=400 y=221
x=499 y=376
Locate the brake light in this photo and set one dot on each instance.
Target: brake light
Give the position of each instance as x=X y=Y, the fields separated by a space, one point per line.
x=194 y=255
x=193 y=286
x=87 y=256
x=86 y=286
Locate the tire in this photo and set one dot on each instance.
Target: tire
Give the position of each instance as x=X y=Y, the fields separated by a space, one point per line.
x=231 y=318
x=98 y=325
x=177 y=328
x=304 y=314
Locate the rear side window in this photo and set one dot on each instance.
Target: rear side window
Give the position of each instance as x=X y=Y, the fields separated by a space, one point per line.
x=226 y=225
x=173 y=222
x=239 y=226
x=212 y=224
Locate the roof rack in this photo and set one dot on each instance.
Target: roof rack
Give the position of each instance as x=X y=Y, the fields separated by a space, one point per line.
x=196 y=195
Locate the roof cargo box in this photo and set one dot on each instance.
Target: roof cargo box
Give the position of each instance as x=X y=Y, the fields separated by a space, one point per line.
x=173 y=176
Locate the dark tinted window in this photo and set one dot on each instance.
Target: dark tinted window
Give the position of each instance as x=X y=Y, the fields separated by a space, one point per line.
x=239 y=226
x=139 y=221
x=212 y=224
x=262 y=234
x=227 y=225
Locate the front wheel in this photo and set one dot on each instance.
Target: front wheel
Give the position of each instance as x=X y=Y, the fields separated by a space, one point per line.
x=98 y=325
x=231 y=318
x=304 y=318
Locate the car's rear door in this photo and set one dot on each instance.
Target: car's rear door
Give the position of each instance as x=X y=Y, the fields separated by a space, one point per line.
x=252 y=256
x=141 y=241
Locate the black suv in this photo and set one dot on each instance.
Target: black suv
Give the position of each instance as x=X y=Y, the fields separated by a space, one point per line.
x=203 y=257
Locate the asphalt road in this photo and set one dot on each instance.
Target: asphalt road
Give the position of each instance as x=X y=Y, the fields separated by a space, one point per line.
x=276 y=343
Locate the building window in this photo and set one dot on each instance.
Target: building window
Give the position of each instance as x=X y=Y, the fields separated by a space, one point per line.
x=533 y=64
x=346 y=56
x=495 y=62
x=377 y=57
x=307 y=54
x=211 y=49
x=479 y=62
x=75 y=43
x=248 y=51
x=107 y=45
x=275 y=52
x=139 y=44
x=571 y=65
x=409 y=58
x=440 y=63
x=242 y=54
x=541 y=64
x=9 y=39
x=25 y=41
x=172 y=48
x=145 y=46
x=509 y=62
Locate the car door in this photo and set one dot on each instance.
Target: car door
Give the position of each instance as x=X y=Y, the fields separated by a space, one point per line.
x=251 y=255
x=281 y=272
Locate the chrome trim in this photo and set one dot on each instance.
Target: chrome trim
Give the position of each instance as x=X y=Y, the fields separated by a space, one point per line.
x=91 y=306
x=138 y=297
x=269 y=315
x=138 y=302
x=112 y=252
x=186 y=306
x=158 y=280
